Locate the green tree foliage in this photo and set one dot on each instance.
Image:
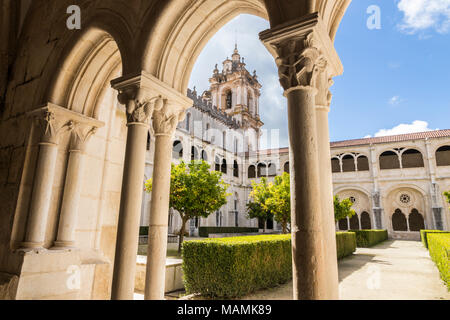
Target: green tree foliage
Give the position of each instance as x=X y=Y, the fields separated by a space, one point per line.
x=447 y=194
x=279 y=202
x=195 y=191
x=256 y=207
x=342 y=209
x=269 y=199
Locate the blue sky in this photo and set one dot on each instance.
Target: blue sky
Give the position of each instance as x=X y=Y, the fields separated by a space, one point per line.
x=396 y=79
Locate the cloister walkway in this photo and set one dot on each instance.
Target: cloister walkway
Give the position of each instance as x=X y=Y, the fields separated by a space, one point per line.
x=395 y=269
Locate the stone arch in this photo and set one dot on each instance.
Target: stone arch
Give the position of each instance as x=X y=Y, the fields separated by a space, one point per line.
x=93 y=55
x=348 y=163
x=271 y=170
x=261 y=170
x=286 y=167
x=399 y=221
x=412 y=158
x=224 y=167
x=204 y=156
x=343 y=224
x=416 y=221
x=363 y=163
x=251 y=172
x=176 y=31
x=443 y=156
x=194 y=153
x=389 y=160
x=177 y=150
x=366 y=223
x=335 y=165
x=217 y=163
x=354 y=222
x=235 y=169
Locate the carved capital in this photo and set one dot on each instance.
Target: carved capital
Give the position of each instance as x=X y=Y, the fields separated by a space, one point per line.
x=50 y=126
x=80 y=135
x=299 y=62
x=166 y=119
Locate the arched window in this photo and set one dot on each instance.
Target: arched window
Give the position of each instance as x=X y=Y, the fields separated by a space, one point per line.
x=194 y=153
x=217 y=164
x=343 y=224
x=188 y=122
x=412 y=158
x=348 y=163
x=366 y=224
x=272 y=170
x=229 y=99
x=443 y=156
x=363 y=163
x=207 y=132
x=416 y=222
x=399 y=221
x=251 y=172
x=286 y=167
x=354 y=222
x=236 y=210
x=262 y=168
x=389 y=160
x=235 y=169
x=224 y=140
x=224 y=166
x=204 y=156
x=177 y=150
x=335 y=165
x=148 y=141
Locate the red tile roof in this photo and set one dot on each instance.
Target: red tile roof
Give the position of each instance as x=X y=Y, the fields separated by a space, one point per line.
x=366 y=141
x=396 y=138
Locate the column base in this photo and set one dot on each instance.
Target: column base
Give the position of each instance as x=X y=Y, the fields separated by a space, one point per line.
x=32 y=246
x=63 y=245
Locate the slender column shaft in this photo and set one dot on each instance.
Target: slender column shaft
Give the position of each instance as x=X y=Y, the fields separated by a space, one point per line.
x=69 y=207
x=129 y=214
x=159 y=215
x=309 y=274
x=42 y=193
x=326 y=189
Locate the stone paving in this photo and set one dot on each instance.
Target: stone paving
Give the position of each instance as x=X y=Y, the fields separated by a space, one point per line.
x=393 y=270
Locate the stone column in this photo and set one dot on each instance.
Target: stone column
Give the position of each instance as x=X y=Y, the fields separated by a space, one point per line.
x=50 y=125
x=72 y=187
x=165 y=120
x=298 y=50
x=323 y=100
x=138 y=113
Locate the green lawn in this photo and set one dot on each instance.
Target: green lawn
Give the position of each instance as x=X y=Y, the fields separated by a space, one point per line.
x=171 y=253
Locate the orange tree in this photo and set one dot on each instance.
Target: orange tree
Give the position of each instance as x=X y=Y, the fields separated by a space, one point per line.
x=256 y=206
x=447 y=194
x=195 y=191
x=342 y=209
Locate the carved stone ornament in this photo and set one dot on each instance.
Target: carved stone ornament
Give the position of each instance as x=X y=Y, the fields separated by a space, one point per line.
x=138 y=109
x=166 y=119
x=80 y=134
x=299 y=62
x=50 y=126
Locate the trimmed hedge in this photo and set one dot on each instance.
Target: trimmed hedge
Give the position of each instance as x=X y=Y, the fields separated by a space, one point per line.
x=439 y=247
x=369 y=238
x=205 y=231
x=236 y=266
x=424 y=235
x=345 y=244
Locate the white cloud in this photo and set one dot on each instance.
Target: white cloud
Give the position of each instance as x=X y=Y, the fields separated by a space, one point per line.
x=420 y=15
x=415 y=126
x=395 y=100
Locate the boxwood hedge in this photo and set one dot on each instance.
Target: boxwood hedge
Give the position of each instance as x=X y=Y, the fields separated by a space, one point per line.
x=236 y=266
x=439 y=247
x=424 y=235
x=369 y=238
x=345 y=243
x=205 y=231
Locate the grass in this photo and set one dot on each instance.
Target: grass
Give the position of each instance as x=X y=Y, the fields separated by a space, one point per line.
x=171 y=253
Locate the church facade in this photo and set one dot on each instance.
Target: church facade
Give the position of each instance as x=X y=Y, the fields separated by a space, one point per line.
x=395 y=182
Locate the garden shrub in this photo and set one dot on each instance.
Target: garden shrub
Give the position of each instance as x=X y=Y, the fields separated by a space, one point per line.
x=369 y=238
x=345 y=243
x=205 y=231
x=439 y=247
x=237 y=266
x=424 y=235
